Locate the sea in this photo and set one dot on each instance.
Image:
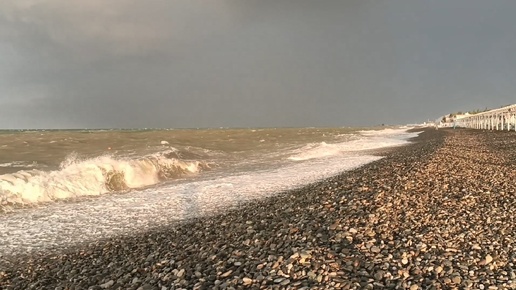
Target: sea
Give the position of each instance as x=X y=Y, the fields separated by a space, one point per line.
x=60 y=188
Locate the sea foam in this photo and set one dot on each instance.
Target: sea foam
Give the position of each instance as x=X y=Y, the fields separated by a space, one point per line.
x=94 y=176
x=367 y=140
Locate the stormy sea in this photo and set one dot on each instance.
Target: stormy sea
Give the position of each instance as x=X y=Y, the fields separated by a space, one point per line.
x=59 y=188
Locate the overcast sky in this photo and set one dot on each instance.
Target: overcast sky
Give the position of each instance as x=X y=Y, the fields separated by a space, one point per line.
x=251 y=63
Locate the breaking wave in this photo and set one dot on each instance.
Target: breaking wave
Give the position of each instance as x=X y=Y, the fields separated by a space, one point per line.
x=371 y=140
x=85 y=177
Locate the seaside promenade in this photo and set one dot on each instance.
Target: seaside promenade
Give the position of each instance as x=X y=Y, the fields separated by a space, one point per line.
x=497 y=119
x=436 y=214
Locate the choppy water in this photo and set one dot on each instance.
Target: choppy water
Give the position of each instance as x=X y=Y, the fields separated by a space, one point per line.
x=84 y=185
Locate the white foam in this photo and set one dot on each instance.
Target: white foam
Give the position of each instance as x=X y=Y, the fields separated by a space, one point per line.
x=373 y=139
x=93 y=176
x=393 y=132
x=19 y=164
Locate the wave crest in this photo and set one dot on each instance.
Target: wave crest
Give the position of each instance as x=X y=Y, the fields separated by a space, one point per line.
x=94 y=176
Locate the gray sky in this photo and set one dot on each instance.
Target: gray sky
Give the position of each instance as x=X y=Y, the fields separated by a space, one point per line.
x=251 y=63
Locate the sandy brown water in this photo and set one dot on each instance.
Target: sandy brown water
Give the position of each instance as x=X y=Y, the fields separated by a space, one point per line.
x=45 y=150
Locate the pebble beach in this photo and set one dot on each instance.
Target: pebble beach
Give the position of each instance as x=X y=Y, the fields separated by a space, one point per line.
x=439 y=213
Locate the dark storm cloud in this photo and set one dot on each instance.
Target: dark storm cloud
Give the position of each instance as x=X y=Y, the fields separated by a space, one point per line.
x=251 y=63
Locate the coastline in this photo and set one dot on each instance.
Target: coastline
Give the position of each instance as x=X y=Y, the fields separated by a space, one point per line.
x=429 y=214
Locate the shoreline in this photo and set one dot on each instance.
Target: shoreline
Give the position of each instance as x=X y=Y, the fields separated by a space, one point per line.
x=381 y=224
x=72 y=223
